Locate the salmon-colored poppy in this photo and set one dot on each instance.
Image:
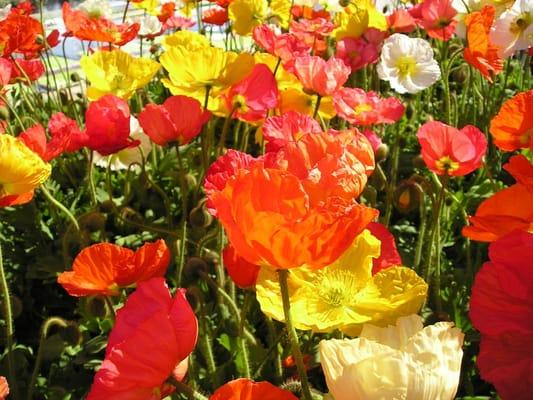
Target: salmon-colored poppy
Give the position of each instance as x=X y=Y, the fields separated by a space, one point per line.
x=4 y=388
x=436 y=17
x=242 y=272
x=366 y=108
x=501 y=308
x=389 y=255
x=179 y=119
x=107 y=125
x=245 y=389
x=152 y=335
x=251 y=98
x=103 y=268
x=215 y=16
x=481 y=53
x=319 y=76
x=100 y=29
x=450 y=151
x=287 y=127
x=512 y=128
x=312 y=32
x=400 y=21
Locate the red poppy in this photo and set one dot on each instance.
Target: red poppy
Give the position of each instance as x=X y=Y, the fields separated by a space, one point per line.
x=65 y=133
x=21 y=34
x=512 y=128
x=166 y=12
x=366 y=108
x=83 y=27
x=23 y=70
x=4 y=388
x=400 y=21
x=107 y=125
x=389 y=253
x=309 y=12
x=152 y=334
x=103 y=268
x=251 y=98
x=288 y=127
x=436 y=17
x=215 y=16
x=245 y=389
x=321 y=77
x=450 y=151
x=242 y=272
x=359 y=52
x=179 y=119
x=481 y=53
x=501 y=308
x=521 y=169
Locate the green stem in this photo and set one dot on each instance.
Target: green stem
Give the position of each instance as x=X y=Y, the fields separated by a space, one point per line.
x=395 y=161
x=422 y=228
x=125 y=11
x=8 y=318
x=64 y=209
x=317 y=105
x=52 y=321
x=90 y=177
x=186 y=389
x=283 y=275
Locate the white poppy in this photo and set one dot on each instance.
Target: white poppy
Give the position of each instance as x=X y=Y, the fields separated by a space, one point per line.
x=513 y=30
x=124 y=158
x=402 y=362
x=96 y=8
x=150 y=26
x=408 y=64
x=4 y=12
x=463 y=8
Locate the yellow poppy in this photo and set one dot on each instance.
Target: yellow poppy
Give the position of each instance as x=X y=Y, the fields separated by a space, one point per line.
x=344 y=295
x=187 y=39
x=116 y=72
x=150 y=6
x=21 y=170
x=293 y=98
x=280 y=11
x=245 y=15
x=357 y=18
x=191 y=72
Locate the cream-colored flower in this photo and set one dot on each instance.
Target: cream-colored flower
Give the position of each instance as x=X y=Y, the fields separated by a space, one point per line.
x=150 y=26
x=96 y=8
x=408 y=64
x=402 y=362
x=124 y=158
x=513 y=30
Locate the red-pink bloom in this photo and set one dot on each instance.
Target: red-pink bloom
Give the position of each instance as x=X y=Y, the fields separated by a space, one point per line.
x=107 y=125
x=26 y=69
x=179 y=119
x=285 y=46
x=215 y=16
x=366 y=108
x=321 y=77
x=178 y=22
x=450 y=151
x=389 y=253
x=312 y=32
x=400 y=21
x=153 y=333
x=374 y=139
x=251 y=98
x=357 y=53
x=288 y=127
x=242 y=272
x=436 y=17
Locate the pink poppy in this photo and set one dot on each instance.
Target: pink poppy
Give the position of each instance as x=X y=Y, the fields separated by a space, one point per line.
x=288 y=127
x=321 y=77
x=436 y=17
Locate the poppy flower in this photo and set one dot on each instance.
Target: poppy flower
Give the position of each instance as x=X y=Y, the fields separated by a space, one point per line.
x=366 y=108
x=312 y=32
x=297 y=206
x=481 y=53
x=4 y=388
x=24 y=70
x=501 y=308
x=116 y=72
x=400 y=21
x=166 y=11
x=243 y=273
x=521 y=169
x=344 y=295
x=84 y=27
x=103 y=268
x=403 y=361
x=150 y=28
x=450 y=151
x=513 y=29
x=21 y=169
x=389 y=255
x=408 y=64
x=19 y=34
x=246 y=389
x=179 y=119
x=319 y=76
x=288 y=127
x=251 y=98
x=107 y=125
x=245 y=15
x=512 y=127
x=153 y=333
x=215 y=16
x=357 y=53
x=355 y=19
x=436 y=17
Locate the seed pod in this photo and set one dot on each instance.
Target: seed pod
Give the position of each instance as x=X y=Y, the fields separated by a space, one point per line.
x=199 y=217
x=75 y=77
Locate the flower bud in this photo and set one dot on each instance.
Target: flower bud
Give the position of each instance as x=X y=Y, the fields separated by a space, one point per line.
x=382 y=152
x=199 y=217
x=4 y=113
x=96 y=307
x=406 y=197
x=195 y=267
x=75 y=77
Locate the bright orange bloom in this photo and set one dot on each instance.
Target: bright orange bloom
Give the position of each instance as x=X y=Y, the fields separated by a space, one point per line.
x=245 y=389
x=19 y=33
x=481 y=53
x=507 y=210
x=512 y=128
x=82 y=26
x=103 y=268
x=4 y=388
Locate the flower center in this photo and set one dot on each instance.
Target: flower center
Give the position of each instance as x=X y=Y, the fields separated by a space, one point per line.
x=239 y=103
x=337 y=288
x=362 y=108
x=521 y=23
x=406 y=66
x=446 y=164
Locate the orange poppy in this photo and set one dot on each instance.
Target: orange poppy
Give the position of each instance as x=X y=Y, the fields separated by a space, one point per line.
x=103 y=268
x=80 y=25
x=512 y=128
x=246 y=389
x=521 y=169
x=19 y=34
x=481 y=53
